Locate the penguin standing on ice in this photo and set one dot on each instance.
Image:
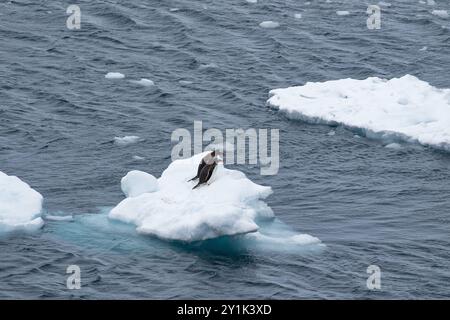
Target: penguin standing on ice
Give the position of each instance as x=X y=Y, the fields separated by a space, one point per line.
x=207 y=172
x=208 y=159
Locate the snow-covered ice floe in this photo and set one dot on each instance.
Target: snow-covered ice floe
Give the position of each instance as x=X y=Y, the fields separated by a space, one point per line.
x=168 y=208
x=20 y=205
x=403 y=108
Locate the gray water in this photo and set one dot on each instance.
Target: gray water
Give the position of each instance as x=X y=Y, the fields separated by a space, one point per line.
x=59 y=115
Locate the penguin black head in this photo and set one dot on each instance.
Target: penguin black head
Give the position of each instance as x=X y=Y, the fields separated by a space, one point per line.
x=213 y=154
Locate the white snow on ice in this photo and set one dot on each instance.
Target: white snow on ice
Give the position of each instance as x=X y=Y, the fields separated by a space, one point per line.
x=20 y=205
x=403 y=108
x=124 y=141
x=114 y=75
x=228 y=206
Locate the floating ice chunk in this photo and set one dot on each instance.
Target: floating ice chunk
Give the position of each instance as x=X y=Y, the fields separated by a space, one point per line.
x=331 y=133
x=342 y=13
x=145 y=82
x=124 y=141
x=252 y=1
x=405 y=108
x=269 y=24
x=208 y=66
x=59 y=218
x=422 y=2
x=297 y=15
x=137 y=182
x=114 y=75
x=174 y=9
x=230 y=205
x=440 y=13
x=395 y=146
x=384 y=4
x=20 y=205
x=423 y=49
x=138 y=158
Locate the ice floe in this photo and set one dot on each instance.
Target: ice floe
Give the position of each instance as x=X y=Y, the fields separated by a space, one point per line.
x=405 y=108
x=20 y=205
x=230 y=205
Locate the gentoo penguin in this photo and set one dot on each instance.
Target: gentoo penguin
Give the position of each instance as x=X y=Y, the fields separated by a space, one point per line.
x=208 y=159
x=207 y=172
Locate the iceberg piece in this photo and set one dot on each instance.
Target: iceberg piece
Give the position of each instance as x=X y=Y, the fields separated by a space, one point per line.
x=20 y=205
x=440 y=13
x=114 y=75
x=405 y=108
x=144 y=82
x=269 y=24
x=126 y=140
x=229 y=205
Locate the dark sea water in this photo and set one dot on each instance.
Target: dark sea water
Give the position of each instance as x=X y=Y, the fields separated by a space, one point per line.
x=59 y=116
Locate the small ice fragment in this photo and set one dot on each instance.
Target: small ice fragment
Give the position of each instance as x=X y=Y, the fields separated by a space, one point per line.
x=440 y=13
x=395 y=146
x=138 y=158
x=269 y=24
x=145 y=82
x=342 y=13
x=123 y=141
x=114 y=75
x=297 y=15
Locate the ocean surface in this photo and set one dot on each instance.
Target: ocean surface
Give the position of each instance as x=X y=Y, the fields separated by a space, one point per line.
x=211 y=61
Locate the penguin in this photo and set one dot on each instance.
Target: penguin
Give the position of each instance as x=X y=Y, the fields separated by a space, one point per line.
x=206 y=174
x=205 y=161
